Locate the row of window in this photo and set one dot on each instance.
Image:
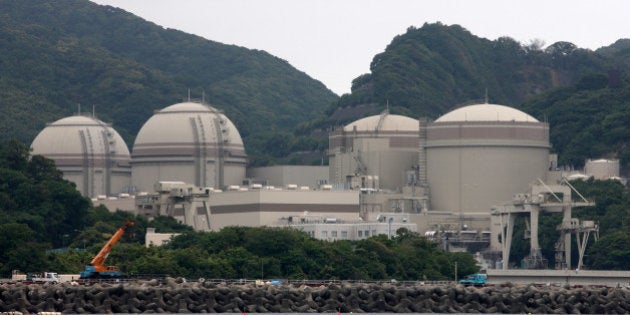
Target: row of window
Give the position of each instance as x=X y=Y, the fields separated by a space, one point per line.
x=344 y=234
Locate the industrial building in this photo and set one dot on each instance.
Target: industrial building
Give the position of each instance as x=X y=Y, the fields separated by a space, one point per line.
x=479 y=156
x=453 y=179
x=602 y=169
x=374 y=152
x=89 y=152
x=190 y=142
x=283 y=175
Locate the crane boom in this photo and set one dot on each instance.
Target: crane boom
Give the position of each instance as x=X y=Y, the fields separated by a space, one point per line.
x=97 y=267
x=99 y=259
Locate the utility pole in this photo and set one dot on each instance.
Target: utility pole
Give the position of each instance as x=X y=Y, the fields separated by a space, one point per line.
x=455 y=271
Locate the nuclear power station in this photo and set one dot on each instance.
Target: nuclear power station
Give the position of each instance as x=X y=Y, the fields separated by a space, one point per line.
x=460 y=179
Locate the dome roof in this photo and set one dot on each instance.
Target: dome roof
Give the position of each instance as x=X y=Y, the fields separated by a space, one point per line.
x=76 y=135
x=384 y=122
x=188 y=123
x=486 y=112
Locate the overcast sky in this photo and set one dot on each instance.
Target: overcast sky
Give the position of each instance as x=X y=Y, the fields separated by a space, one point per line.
x=334 y=41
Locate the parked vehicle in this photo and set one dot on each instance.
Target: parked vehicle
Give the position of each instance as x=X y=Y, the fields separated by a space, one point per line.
x=477 y=280
x=29 y=278
x=46 y=277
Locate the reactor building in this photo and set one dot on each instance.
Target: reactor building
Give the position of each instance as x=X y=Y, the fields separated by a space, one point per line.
x=190 y=142
x=478 y=156
x=89 y=153
x=375 y=152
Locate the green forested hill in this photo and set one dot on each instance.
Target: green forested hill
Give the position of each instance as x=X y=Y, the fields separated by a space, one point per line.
x=430 y=70
x=55 y=55
x=589 y=119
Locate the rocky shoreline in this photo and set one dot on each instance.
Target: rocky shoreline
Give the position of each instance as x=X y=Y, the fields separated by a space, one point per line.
x=177 y=296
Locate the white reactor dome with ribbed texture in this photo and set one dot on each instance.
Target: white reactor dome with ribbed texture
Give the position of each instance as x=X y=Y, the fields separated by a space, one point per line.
x=190 y=142
x=480 y=155
x=89 y=152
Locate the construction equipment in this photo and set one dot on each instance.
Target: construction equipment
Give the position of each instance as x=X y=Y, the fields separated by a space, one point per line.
x=96 y=268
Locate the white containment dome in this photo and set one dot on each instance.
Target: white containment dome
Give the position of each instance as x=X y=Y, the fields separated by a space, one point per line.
x=89 y=152
x=190 y=142
x=479 y=156
x=376 y=152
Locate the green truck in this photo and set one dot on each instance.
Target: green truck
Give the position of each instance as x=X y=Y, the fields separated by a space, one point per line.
x=477 y=280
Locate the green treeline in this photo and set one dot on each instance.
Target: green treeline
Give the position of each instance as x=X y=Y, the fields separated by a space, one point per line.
x=263 y=252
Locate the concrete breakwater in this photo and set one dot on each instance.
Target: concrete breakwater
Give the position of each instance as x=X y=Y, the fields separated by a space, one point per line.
x=191 y=297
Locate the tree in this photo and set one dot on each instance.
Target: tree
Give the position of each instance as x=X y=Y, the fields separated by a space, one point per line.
x=610 y=252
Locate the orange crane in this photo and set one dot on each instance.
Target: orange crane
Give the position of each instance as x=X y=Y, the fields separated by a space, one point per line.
x=96 y=268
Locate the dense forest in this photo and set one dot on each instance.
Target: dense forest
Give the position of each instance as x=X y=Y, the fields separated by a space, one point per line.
x=428 y=71
x=45 y=224
x=588 y=119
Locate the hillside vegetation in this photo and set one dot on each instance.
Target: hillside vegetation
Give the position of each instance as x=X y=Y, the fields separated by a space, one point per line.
x=55 y=55
x=589 y=119
x=430 y=70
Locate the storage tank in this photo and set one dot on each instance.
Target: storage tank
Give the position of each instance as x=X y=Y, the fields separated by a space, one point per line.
x=602 y=169
x=190 y=142
x=89 y=153
x=382 y=147
x=481 y=155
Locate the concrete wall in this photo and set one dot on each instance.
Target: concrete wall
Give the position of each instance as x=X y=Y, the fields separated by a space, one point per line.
x=273 y=207
x=473 y=166
x=602 y=169
x=611 y=278
x=144 y=175
x=387 y=158
x=283 y=175
x=473 y=179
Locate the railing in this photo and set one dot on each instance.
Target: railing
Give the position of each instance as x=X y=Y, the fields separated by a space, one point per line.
x=294 y=282
x=310 y=282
